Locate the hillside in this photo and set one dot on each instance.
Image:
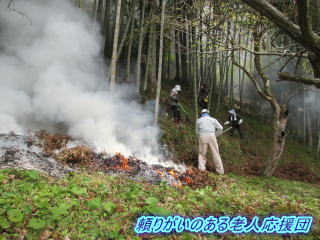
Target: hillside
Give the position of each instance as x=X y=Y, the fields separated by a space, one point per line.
x=240 y=157
x=92 y=204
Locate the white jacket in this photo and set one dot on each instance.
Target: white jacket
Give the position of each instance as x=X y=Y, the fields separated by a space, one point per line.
x=208 y=125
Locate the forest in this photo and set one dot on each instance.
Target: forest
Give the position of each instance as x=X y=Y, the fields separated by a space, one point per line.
x=104 y=108
x=244 y=51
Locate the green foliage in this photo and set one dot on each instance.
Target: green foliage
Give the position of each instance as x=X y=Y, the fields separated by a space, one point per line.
x=94 y=204
x=15 y=215
x=36 y=223
x=78 y=190
x=4 y=223
x=152 y=201
x=109 y=206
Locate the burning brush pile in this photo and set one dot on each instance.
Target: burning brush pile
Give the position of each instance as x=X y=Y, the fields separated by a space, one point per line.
x=57 y=155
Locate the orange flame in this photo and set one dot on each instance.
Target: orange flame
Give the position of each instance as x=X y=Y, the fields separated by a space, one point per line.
x=124 y=161
x=179 y=184
x=160 y=173
x=187 y=180
x=172 y=173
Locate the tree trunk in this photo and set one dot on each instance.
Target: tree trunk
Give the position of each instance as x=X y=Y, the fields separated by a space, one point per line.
x=99 y=11
x=195 y=86
x=113 y=67
x=187 y=51
x=141 y=35
x=280 y=119
x=179 y=56
x=107 y=30
x=243 y=74
x=157 y=104
x=128 y=72
x=309 y=127
x=213 y=84
x=318 y=148
x=148 y=60
x=94 y=9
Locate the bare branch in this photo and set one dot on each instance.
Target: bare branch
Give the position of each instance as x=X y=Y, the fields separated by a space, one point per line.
x=306 y=26
x=251 y=77
x=285 y=76
x=9 y=6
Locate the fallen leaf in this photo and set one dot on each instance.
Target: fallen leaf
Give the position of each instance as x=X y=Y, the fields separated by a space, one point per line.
x=45 y=235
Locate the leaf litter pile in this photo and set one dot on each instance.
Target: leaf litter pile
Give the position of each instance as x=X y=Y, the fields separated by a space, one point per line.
x=58 y=155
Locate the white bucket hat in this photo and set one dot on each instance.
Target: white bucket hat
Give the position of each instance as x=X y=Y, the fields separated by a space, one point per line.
x=205 y=111
x=177 y=88
x=232 y=111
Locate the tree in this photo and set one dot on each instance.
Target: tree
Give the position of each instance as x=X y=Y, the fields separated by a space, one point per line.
x=280 y=111
x=302 y=32
x=157 y=105
x=141 y=35
x=113 y=66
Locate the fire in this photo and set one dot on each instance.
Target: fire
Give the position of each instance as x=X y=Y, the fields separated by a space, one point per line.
x=124 y=161
x=187 y=180
x=172 y=173
x=178 y=184
x=160 y=173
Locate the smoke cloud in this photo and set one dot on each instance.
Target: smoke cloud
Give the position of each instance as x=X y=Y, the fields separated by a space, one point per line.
x=51 y=74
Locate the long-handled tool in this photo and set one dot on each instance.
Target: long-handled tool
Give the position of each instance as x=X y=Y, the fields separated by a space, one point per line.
x=185 y=112
x=227 y=130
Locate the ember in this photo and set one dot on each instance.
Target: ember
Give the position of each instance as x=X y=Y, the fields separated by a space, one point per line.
x=172 y=173
x=124 y=161
x=75 y=153
x=160 y=173
x=187 y=180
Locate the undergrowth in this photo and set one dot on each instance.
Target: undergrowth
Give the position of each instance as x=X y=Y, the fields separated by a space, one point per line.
x=96 y=206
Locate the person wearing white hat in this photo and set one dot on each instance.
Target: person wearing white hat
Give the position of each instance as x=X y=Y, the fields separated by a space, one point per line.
x=207 y=130
x=236 y=121
x=174 y=96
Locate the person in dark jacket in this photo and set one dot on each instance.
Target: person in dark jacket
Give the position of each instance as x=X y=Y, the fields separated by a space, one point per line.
x=203 y=98
x=235 y=120
x=174 y=98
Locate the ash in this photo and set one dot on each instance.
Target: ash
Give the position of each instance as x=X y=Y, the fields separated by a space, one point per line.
x=26 y=152
x=57 y=155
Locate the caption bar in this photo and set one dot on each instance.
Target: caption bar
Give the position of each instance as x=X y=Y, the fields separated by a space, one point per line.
x=224 y=224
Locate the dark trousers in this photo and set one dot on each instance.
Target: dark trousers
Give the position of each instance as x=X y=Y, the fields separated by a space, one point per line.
x=236 y=127
x=203 y=104
x=176 y=113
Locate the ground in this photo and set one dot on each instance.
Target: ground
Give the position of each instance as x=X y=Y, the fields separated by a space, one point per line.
x=90 y=204
x=97 y=206
x=245 y=157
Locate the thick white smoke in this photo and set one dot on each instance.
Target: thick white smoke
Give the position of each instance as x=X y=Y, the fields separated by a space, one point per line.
x=50 y=74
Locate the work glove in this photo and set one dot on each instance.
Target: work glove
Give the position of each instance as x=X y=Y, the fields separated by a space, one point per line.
x=226 y=123
x=240 y=122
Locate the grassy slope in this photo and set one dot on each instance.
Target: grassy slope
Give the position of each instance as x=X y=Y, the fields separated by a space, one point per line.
x=240 y=157
x=91 y=206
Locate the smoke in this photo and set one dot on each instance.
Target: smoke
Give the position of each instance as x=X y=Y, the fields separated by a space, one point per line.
x=50 y=75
